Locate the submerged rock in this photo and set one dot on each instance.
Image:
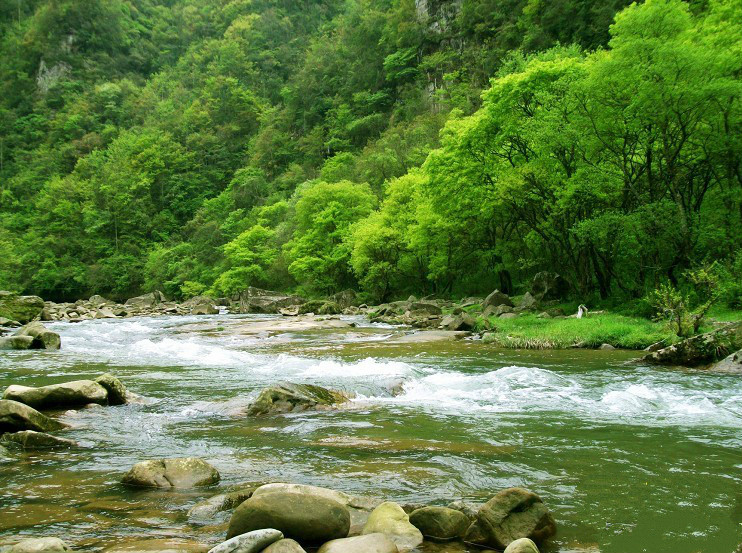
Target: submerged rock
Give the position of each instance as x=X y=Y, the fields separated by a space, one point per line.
x=284 y=546
x=250 y=542
x=23 y=309
x=440 y=523
x=370 y=543
x=700 y=350
x=42 y=337
x=40 y=545
x=288 y=397
x=523 y=545
x=117 y=393
x=311 y=519
x=187 y=472
x=15 y=416
x=66 y=394
x=207 y=509
x=30 y=439
x=390 y=519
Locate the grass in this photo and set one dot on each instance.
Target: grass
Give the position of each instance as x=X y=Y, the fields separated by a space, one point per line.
x=530 y=332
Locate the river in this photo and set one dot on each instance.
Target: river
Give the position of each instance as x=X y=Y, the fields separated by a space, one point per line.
x=629 y=458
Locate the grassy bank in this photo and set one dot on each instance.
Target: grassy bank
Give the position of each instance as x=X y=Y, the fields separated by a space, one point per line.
x=531 y=332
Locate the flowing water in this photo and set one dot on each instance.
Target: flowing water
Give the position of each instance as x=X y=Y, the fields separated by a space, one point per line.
x=629 y=458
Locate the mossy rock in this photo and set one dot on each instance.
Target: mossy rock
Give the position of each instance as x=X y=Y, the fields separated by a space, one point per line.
x=288 y=397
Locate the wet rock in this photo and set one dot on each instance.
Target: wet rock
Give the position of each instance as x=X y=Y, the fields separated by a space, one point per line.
x=250 y=542
x=40 y=545
x=187 y=472
x=527 y=303
x=207 y=509
x=369 y=543
x=117 y=393
x=523 y=545
x=23 y=309
x=731 y=364
x=549 y=286
x=304 y=489
x=284 y=546
x=460 y=322
x=288 y=397
x=440 y=523
x=67 y=394
x=15 y=417
x=496 y=299
x=700 y=350
x=16 y=342
x=390 y=519
x=306 y=518
x=43 y=338
x=30 y=439
x=5 y=455
x=469 y=511
x=512 y=514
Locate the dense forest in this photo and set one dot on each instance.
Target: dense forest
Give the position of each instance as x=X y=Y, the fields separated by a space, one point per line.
x=441 y=147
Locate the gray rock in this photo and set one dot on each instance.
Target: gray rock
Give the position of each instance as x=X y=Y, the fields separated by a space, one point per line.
x=509 y=315
x=527 y=303
x=425 y=308
x=43 y=338
x=40 y=545
x=390 y=519
x=700 y=350
x=284 y=546
x=496 y=299
x=606 y=347
x=250 y=542
x=523 y=545
x=463 y=321
x=255 y=300
x=67 y=394
x=30 y=439
x=187 y=472
x=16 y=342
x=440 y=523
x=147 y=300
x=117 y=394
x=15 y=416
x=288 y=397
x=23 y=309
x=731 y=364
x=97 y=301
x=369 y=543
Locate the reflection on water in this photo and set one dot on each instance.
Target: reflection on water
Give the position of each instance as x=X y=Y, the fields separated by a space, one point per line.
x=629 y=458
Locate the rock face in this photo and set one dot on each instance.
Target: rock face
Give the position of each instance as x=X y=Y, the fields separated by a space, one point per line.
x=255 y=300
x=390 y=519
x=549 y=286
x=16 y=416
x=306 y=518
x=67 y=394
x=187 y=472
x=251 y=542
x=497 y=298
x=512 y=514
x=440 y=523
x=370 y=543
x=284 y=546
x=23 y=309
x=117 y=394
x=700 y=350
x=42 y=337
x=523 y=545
x=30 y=439
x=288 y=397
x=731 y=364
x=39 y=545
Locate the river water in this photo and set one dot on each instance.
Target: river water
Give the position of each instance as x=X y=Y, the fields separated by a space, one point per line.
x=629 y=458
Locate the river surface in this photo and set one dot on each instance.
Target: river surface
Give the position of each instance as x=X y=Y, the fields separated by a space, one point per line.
x=629 y=458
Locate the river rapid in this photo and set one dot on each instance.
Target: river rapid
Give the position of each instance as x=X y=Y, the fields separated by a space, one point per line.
x=629 y=458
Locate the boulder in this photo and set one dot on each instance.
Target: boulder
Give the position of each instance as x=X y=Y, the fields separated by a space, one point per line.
x=523 y=545
x=512 y=514
x=496 y=299
x=255 y=300
x=15 y=416
x=606 y=347
x=23 y=309
x=117 y=394
x=304 y=489
x=250 y=542
x=98 y=301
x=16 y=342
x=287 y=397
x=39 y=545
x=284 y=546
x=30 y=439
x=527 y=303
x=345 y=299
x=549 y=286
x=58 y=396
x=700 y=350
x=425 y=308
x=440 y=523
x=43 y=338
x=463 y=321
x=330 y=308
x=370 y=543
x=390 y=519
x=730 y=364
x=5 y=322
x=187 y=472
x=201 y=305
x=147 y=301
x=207 y=509
x=306 y=518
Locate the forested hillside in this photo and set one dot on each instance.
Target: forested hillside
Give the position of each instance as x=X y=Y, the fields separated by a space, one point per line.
x=391 y=146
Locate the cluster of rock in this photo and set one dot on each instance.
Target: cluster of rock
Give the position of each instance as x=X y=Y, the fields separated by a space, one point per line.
x=721 y=349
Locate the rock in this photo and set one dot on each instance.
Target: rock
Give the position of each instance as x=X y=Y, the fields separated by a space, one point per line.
x=39 y=545
x=55 y=396
x=43 y=338
x=496 y=299
x=425 y=308
x=440 y=523
x=464 y=321
x=287 y=397
x=23 y=309
x=700 y=350
x=492 y=311
x=30 y=439
x=549 y=286
x=255 y=300
x=345 y=299
x=201 y=305
x=284 y=546
x=117 y=394
x=509 y=315
x=187 y=472
x=369 y=543
x=607 y=347
x=105 y=313
x=390 y=519
x=147 y=301
x=527 y=303
x=207 y=509
x=523 y=545
x=251 y=542
x=16 y=342
x=512 y=514
x=98 y=301
x=306 y=518
x=464 y=508
x=731 y=364
x=304 y=489
x=15 y=416
x=329 y=308
x=292 y=311
x=5 y=322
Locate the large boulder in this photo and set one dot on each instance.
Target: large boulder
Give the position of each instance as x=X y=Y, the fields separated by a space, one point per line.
x=286 y=397
x=440 y=523
x=59 y=396
x=30 y=439
x=700 y=350
x=370 y=543
x=730 y=364
x=512 y=514
x=425 y=308
x=187 y=472
x=117 y=393
x=284 y=546
x=250 y=542
x=39 y=545
x=390 y=519
x=23 y=309
x=496 y=299
x=462 y=321
x=527 y=302
x=304 y=489
x=43 y=338
x=15 y=416
x=310 y=519
x=147 y=301
x=549 y=286
x=256 y=300
x=523 y=545
x=201 y=305
x=16 y=342
x=345 y=299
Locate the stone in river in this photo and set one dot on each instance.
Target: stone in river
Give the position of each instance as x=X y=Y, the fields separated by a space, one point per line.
x=67 y=394
x=39 y=545
x=289 y=397
x=523 y=545
x=15 y=416
x=369 y=543
x=117 y=394
x=207 y=509
x=187 y=472
x=306 y=518
x=390 y=519
x=30 y=439
x=16 y=342
x=440 y=523
x=284 y=546
x=250 y=542
x=43 y=338
x=23 y=309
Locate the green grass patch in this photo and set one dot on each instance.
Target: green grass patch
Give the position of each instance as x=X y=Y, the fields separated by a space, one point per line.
x=530 y=332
